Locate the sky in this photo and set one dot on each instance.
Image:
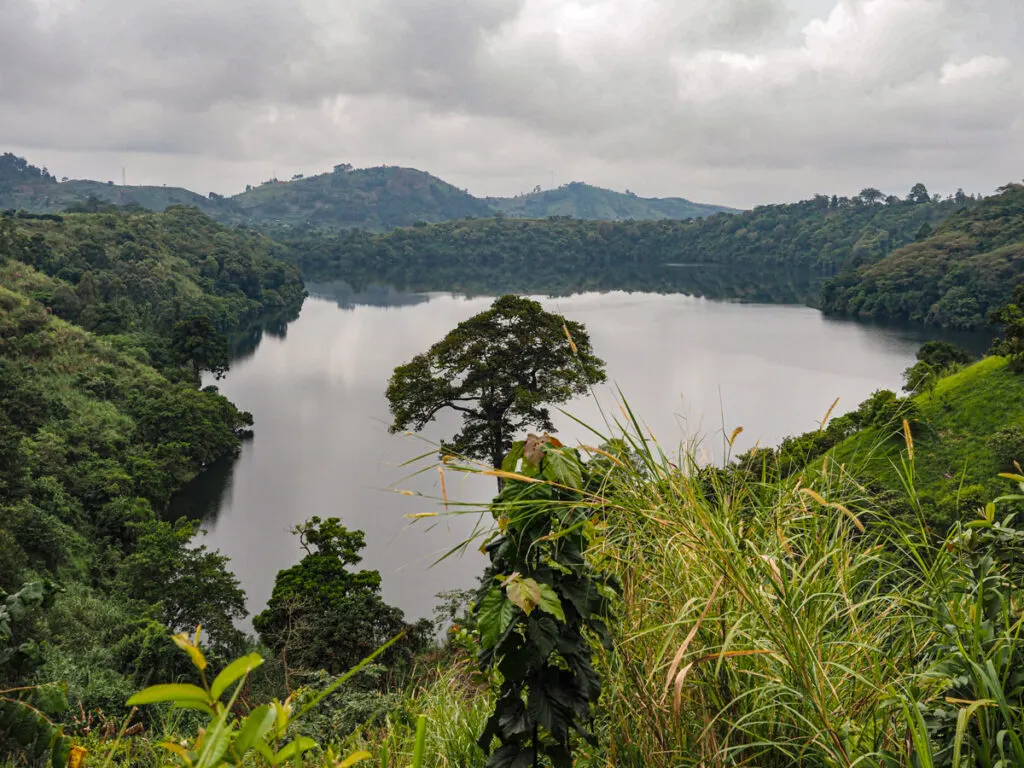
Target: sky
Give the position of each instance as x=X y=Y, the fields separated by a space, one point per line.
x=735 y=102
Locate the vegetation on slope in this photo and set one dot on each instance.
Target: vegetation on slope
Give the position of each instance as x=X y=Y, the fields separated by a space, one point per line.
x=377 y=199
x=777 y=253
x=583 y=201
x=141 y=273
x=953 y=277
x=25 y=187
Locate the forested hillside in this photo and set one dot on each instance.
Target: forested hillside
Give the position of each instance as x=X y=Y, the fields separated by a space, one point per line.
x=785 y=251
x=375 y=199
x=28 y=188
x=953 y=277
x=583 y=201
x=369 y=198
x=142 y=272
x=96 y=432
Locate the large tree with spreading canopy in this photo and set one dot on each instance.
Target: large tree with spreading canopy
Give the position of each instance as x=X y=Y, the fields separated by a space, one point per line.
x=500 y=369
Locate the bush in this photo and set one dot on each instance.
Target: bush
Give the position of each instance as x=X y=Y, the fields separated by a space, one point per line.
x=1008 y=446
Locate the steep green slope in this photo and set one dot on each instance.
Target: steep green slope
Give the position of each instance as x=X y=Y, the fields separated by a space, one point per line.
x=583 y=201
x=784 y=251
x=951 y=278
x=967 y=430
x=141 y=272
x=369 y=198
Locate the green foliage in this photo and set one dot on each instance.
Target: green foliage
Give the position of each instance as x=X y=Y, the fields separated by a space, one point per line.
x=186 y=585
x=499 y=369
x=1010 y=318
x=265 y=736
x=953 y=277
x=1007 y=444
x=142 y=273
x=196 y=343
x=539 y=605
x=583 y=201
x=27 y=726
x=777 y=253
x=324 y=615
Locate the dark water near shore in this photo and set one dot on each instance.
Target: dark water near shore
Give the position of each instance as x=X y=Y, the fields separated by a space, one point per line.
x=690 y=368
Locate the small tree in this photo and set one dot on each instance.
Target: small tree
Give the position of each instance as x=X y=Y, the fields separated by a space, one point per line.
x=323 y=614
x=498 y=369
x=1010 y=317
x=195 y=342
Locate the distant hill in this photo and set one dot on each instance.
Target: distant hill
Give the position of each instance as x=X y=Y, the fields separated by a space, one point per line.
x=583 y=201
x=951 y=275
x=376 y=199
x=25 y=187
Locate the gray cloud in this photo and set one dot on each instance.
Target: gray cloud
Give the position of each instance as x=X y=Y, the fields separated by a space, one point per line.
x=735 y=101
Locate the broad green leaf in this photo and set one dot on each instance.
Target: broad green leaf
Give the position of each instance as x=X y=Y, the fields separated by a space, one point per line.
x=549 y=602
x=355 y=757
x=218 y=739
x=494 y=614
x=177 y=749
x=297 y=747
x=561 y=466
x=233 y=671
x=254 y=728
x=525 y=593
x=198 y=706
x=169 y=692
x=191 y=647
x=52 y=698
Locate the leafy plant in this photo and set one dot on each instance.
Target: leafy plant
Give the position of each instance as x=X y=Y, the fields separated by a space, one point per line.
x=26 y=717
x=538 y=606
x=263 y=737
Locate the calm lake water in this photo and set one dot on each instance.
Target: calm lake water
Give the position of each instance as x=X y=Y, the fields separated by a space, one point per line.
x=689 y=368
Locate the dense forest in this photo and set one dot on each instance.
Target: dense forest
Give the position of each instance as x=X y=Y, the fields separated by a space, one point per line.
x=953 y=276
x=105 y=320
x=785 y=251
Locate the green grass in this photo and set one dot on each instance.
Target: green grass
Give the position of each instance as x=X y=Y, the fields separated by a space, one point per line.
x=951 y=439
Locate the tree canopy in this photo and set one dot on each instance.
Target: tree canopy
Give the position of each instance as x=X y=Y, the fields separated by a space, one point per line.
x=499 y=369
x=323 y=614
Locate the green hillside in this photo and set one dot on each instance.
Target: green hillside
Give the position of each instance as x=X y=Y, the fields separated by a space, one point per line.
x=785 y=251
x=583 y=201
x=966 y=431
x=27 y=188
x=952 y=277
x=376 y=199
x=368 y=198
x=141 y=272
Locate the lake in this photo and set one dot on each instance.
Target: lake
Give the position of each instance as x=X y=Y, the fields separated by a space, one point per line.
x=690 y=368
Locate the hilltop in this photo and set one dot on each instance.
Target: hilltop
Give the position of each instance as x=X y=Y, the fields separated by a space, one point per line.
x=583 y=201
x=379 y=198
x=951 y=276
x=376 y=199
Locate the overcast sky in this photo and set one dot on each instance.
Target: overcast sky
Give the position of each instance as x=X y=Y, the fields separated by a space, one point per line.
x=738 y=102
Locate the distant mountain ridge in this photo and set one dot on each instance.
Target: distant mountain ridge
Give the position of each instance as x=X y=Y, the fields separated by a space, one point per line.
x=584 y=201
x=376 y=199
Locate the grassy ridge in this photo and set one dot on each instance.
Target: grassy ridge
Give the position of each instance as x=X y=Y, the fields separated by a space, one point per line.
x=956 y=462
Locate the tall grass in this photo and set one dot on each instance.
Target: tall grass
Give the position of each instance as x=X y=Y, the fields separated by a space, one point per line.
x=797 y=622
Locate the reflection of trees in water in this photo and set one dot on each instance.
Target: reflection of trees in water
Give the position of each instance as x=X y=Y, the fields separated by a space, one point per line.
x=203 y=498
x=401 y=287
x=368 y=294
x=242 y=344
